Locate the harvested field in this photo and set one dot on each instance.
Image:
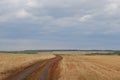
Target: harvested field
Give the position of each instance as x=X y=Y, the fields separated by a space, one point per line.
x=68 y=67
x=14 y=63
x=76 y=67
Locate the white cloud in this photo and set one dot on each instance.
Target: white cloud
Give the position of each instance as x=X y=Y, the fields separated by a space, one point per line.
x=85 y=18
x=33 y=3
x=62 y=13
x=22 y=14
x=112 y=8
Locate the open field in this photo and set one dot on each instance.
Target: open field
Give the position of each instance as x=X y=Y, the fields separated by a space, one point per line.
x=14 y=63
x=76 y=67
x=65 y=66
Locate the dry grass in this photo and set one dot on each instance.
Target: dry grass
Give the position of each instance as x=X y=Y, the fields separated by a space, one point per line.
x=10 y=63
x=76 y=67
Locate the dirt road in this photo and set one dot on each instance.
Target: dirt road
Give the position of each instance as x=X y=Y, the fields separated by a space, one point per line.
x=43 y=70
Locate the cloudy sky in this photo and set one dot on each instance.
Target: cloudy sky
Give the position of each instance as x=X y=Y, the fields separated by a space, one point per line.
x=59 y=24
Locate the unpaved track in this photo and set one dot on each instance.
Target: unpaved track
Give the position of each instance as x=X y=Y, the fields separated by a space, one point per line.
x=43 y=70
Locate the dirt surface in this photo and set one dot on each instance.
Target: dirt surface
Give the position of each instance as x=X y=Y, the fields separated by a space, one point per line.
x=11 y=64
x=42 y=70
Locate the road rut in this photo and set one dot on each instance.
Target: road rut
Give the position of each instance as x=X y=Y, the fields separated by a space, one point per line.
x=42 y=70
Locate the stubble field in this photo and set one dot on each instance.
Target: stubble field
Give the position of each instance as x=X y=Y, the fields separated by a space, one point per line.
x=76 y=67
x=14 y=63
x=72 y=66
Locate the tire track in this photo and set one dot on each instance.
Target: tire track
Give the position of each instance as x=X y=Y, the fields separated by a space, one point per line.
x=42 y=70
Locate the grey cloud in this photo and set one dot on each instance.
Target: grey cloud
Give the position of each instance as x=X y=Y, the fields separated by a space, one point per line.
x=49 y=16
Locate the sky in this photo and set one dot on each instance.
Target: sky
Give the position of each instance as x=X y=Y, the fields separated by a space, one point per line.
x=59 y=24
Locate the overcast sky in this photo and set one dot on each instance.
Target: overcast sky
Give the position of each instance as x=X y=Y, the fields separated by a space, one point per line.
x=59 y=24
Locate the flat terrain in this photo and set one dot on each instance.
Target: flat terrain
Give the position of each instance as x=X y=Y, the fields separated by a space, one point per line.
x=11 y=64
x=66 y=66
x=47 y=70
x=76 y=67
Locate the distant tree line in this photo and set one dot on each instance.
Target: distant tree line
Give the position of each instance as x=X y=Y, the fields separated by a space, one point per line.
x=110 y=53
x=97 y=52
